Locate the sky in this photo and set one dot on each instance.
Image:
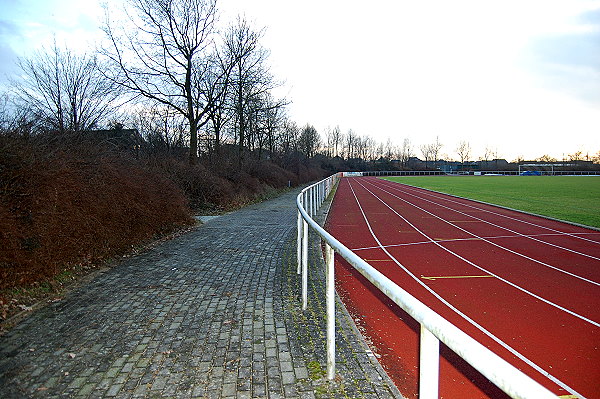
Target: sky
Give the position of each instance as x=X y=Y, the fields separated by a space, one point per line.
x=520 y=77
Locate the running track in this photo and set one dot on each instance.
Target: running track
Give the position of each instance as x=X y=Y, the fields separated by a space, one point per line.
x=526 y=287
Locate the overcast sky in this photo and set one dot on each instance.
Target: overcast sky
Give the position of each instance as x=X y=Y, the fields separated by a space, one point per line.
x=521 y=77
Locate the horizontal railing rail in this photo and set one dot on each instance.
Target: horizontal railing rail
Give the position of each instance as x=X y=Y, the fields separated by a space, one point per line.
x=434 y=328
x=522 y=172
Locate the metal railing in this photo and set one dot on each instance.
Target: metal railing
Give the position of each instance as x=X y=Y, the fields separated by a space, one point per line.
x=434 y=328
x=480 y=173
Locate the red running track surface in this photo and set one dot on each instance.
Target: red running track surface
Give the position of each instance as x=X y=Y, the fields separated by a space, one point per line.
x=526 y=287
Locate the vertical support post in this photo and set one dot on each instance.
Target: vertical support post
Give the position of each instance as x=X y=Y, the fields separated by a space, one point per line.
x=429 y=365
x=305 y=265
x=330 y=303
x=310 y=199
x=306 y=202
x=299 y=243
x=318 y=191
x=318 y=195
x=321 y=191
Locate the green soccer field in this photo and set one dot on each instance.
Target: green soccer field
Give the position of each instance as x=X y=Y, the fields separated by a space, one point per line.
x=572 y=198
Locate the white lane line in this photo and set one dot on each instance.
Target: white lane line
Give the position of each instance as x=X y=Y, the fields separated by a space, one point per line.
x=457 y=239
x=434 y=195
x=479 y=267
x=464 y=316
x=488 y=241
x=407 y=192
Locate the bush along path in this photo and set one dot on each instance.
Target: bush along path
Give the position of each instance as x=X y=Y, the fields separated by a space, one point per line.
x=212 y=313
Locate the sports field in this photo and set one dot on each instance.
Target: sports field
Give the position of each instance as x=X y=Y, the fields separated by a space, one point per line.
x=526 y=287
x=572 y=198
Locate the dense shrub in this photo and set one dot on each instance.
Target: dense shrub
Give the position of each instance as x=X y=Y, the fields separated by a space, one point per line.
x=73 y=199
x=64 y=204
x=272 y=175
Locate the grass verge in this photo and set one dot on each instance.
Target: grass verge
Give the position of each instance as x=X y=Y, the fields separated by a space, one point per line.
x=572 y=198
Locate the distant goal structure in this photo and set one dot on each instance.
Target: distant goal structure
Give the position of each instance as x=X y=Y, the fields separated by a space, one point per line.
x=546 y=168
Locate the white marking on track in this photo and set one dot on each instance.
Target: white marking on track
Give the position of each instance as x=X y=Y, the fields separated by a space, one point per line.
x=431 y=193
x=455 y=239
x=485 y=221
x=464 y=316
x=482 y=268
x=488 y=241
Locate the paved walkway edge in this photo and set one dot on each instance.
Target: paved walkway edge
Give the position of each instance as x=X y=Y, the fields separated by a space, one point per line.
x=211 y=314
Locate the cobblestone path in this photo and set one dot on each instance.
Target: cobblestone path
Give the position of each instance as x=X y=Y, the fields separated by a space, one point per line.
x=214 y=313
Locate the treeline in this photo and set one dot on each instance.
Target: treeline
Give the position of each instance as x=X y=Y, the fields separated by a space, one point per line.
x=100 y=152
x=169 y=74
x=166 y=84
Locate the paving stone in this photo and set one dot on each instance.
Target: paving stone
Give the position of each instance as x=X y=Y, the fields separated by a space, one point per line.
x=214 y=313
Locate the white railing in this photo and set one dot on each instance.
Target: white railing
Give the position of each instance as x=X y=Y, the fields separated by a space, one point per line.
x=480 y=173
x=434 y=328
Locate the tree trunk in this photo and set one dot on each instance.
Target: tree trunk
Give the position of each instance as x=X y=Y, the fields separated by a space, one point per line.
x=193 y=142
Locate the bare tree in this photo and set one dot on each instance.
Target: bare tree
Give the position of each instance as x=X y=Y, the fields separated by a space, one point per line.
x=435 y=148
x=405 y=152
x=309 y=141
x=368 y=148
x=427 y=151
x=165 y=56
x=250 y=78
x=576 y=156
x=389 y=149
x=350 y=143
x=273 y=120
x=379 y=151
x=162 y=128
x=264 y=116
x=289 y=137
x=15 y=119
x=546 y=158
x=216 y=85
x=359 y=147
x=488 y=153
x=336 y=140
x=66 y=91
x=464 y=151
x=328 y=147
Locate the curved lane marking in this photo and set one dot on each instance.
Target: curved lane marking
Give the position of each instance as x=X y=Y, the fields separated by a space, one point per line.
x=431 y=193
x=457 y=311
x=485 y=221
x=481 y=238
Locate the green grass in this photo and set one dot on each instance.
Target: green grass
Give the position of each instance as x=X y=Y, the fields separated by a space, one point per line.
x=572 y=198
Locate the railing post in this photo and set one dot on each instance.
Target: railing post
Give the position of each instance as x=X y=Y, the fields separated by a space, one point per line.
x=318 y=195
x=330 y=303
x=429 y=365
x=305 y=265
x=321 y=193
x=311 y=201
x=299 y=242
